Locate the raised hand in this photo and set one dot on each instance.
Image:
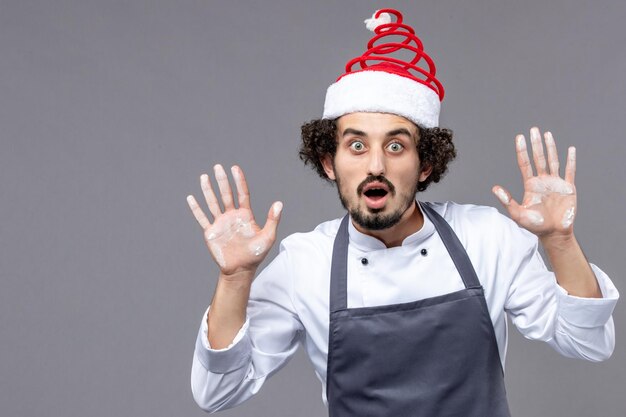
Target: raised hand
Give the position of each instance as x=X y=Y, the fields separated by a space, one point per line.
x=549 y=204
x=234 y=239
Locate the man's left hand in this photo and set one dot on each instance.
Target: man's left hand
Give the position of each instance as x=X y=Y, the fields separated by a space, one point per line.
x=549 y=204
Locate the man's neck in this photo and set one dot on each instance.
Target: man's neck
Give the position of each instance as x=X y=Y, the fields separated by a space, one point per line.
x=411 y=221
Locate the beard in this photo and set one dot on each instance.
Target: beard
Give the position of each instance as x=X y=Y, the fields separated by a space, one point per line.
x=374 y=219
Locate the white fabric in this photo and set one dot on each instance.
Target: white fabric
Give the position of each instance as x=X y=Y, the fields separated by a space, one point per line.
x=372 y=23
x=383 y=92
x=289 y=299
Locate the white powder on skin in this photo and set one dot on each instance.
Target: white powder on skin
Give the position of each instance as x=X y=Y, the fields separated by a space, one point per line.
x=277 y=208
x=204 y=181
x=221 y=235
x=503 y=196
x=540 y=187
x=534 y=199
x=236 y=175
x=544 y=185
x=241 y=196
x=219 y=256
x=244 y=228
x=258 y=248
x=534 y=217
x=568 y=217
x=220 y=174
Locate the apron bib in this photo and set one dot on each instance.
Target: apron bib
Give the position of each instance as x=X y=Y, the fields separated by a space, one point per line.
x=434 y=357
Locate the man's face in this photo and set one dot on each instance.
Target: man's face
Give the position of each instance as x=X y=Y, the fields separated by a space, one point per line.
x=376 y=167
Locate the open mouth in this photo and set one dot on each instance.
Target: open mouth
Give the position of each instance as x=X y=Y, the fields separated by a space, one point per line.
x=375 y=195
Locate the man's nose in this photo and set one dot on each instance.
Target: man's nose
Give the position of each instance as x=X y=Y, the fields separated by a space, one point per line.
x=376 y=163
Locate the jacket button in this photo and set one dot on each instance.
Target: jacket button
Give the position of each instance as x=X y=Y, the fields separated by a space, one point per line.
x=364 y=261
x=424 y=252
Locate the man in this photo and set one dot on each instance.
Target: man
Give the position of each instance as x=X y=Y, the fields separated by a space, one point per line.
x=401 y=304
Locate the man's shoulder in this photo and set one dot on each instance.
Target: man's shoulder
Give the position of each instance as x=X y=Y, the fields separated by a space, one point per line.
x=321 y=237
x=459 y=213
x=472 y=219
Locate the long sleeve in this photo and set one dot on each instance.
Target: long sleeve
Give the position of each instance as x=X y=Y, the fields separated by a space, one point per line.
x=223 y=378
x=542 y=310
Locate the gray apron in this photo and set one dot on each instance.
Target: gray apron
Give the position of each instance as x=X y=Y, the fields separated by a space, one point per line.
x=428 y=358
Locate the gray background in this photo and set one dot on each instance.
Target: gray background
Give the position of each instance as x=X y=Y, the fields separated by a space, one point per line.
x=110 y=111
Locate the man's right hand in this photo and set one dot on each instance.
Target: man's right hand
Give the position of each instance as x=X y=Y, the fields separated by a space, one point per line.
x=234 y=239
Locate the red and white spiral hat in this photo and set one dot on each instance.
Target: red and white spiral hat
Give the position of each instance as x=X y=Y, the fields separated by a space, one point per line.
x=386 y=84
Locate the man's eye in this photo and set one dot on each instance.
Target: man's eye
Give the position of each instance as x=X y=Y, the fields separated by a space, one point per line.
x=395 y=147
x=357 y=146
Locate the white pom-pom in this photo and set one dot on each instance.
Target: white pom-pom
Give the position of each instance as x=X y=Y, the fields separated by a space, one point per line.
x=372 y=23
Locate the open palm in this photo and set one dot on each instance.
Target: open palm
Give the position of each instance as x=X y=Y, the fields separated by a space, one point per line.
x=549 y=203
x=234 y=239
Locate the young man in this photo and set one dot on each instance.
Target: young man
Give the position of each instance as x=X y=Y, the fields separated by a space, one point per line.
x=401 y=304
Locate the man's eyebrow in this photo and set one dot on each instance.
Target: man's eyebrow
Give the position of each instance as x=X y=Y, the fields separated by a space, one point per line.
x=400 y=131
x=349 y=131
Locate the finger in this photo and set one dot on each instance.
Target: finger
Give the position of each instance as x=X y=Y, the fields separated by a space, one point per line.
x=538 y=155
x=224 y=186
x=553 y=157
x=209 y=196
x=522 y=157
x=243 y=195
x=507 y=201
x=570 y=167
x=273 y=217
x=197 y=212
x=502 y=194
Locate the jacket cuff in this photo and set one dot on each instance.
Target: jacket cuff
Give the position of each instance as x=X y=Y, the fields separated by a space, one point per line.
x=229 y=359
x=589 y=312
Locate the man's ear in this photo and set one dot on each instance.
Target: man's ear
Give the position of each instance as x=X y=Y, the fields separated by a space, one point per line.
x=327 y=163
x=427 y=169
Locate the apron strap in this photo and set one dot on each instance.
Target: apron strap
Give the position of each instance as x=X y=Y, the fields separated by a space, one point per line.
x=339 y=269
x=455 y=248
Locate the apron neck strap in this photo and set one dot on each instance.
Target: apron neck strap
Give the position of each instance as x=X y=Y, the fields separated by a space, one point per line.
x=455 y=248
x=339 y=268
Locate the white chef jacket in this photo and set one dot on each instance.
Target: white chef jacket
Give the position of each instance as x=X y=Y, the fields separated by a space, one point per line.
x=289 y=300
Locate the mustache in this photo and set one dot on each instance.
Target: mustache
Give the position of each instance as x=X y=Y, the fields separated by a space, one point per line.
x=375 y=178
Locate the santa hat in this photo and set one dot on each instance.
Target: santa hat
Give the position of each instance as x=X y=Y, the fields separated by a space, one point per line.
x=389 y=85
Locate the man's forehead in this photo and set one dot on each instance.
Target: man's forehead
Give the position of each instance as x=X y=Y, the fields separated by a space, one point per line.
x=375 y=123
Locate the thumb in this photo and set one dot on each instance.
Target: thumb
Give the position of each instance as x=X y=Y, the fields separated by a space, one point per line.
x=273 y=218
x=509 y=203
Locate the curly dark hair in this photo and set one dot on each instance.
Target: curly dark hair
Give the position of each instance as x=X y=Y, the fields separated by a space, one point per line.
x=434 y=147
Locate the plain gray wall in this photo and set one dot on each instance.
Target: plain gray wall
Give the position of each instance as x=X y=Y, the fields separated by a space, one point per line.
x=110 y=111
